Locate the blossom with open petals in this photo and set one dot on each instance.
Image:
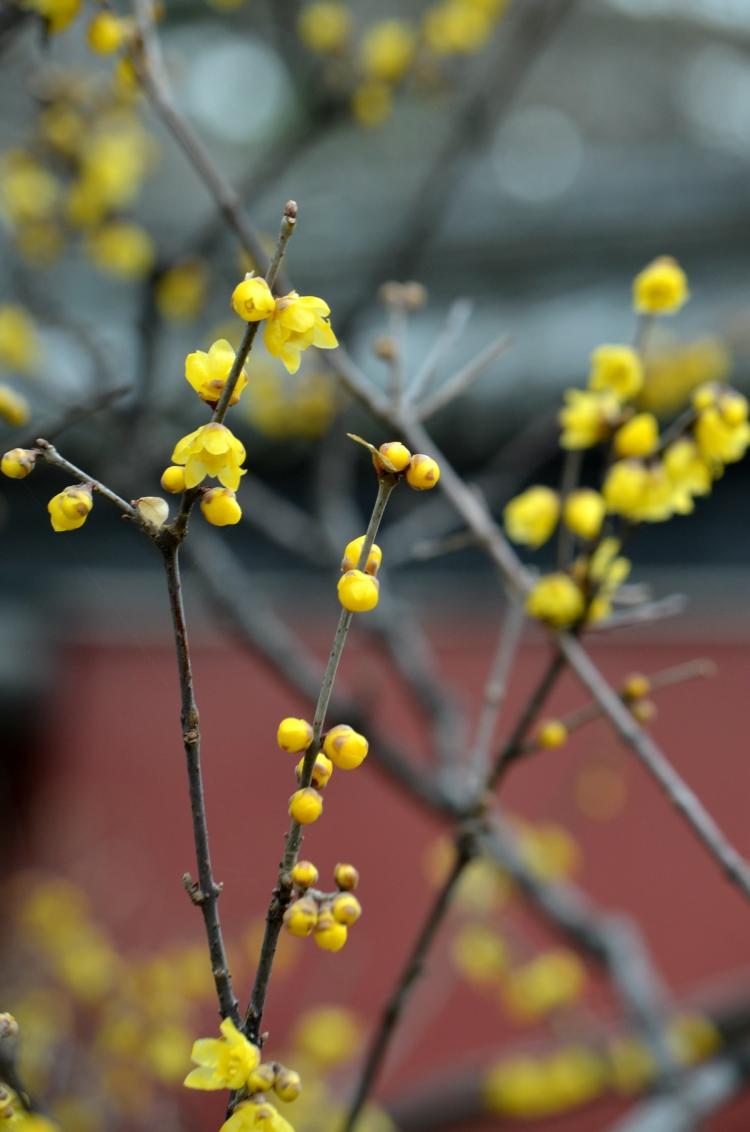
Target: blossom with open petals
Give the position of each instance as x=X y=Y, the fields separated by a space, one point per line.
x=225 y=1062
x=297 y=322
x=212 y=450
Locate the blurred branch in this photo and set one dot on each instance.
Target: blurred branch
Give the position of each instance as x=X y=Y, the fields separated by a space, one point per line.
x=464 y=378
x=703 y=1091
x=644 y=613
x=450 y=332
x=496 y=685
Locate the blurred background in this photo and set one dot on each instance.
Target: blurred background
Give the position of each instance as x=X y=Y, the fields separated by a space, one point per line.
x=522 y=161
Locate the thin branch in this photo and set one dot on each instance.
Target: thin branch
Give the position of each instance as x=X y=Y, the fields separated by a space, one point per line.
x=282 y=892
x=206 y=892
x=645 y=613
x=455 y=323
x=704 y=1090
x=464 y=378
x=52 y=456
x=496 y=686
x=514 y=746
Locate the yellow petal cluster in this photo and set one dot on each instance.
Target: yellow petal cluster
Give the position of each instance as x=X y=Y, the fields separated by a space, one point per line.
x=208 y=372
x=212 y=450
x=14 y=409
x=298 y=322
x=637 y=437
x=70 y=509
x=557 y=600
x=617 y=369
x=255 y=1116
x=721 y=430
x=546 y=983
x=121 y=248
x=58 y=13
x=531 y=517
x=222 y=1063
x=587 y=417
x=324 y=26
x=387 y=50
x=583 y=512
x=19 y=347
x=661 y=288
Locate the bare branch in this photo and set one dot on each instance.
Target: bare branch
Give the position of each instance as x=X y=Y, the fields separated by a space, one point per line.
x=464 y=378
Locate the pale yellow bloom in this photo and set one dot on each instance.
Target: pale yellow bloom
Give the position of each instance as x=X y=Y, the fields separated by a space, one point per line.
x=58 y=13
x=372 y=103
x=583 y=512
x=557 y=600
x=688 y=473
x=28 y=191
x=637 y=437
x=587 y=417
x=455 y=27
x=324 y=26
x=531 y=517
x=212 y=450
x=70 y=509
x=297 y=322
x=208 y=372
x=19 y=346
x=121 y=248
x=223 y=1063
x=329 y=1035
x=14 y=409
x=719 y=441
x=252 y=299
x=181 y=291
x=661 y=288
x=617 y=369
x=250 y=1116
x=387 y=50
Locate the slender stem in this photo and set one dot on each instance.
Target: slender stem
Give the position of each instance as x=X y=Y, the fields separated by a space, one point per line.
x=463 y=379
x=282 y=892
x=206 y=892
x=410 y=972
x=514 y=746
x=496 y=685
x=52 y=456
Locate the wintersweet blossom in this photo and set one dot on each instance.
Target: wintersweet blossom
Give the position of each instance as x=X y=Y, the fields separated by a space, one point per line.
x=297 y=322
x=223 y=1063
x=212 y=450
x=208 y=372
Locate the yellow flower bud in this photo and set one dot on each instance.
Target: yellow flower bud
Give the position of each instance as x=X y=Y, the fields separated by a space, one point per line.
x=352 y=553
x=617 y=369
x=733 y=407
x=346 y=877
x=294 y=735
x=396 y=456
x=329 y=935
x=252 y=299
x=625 y=486
x=644 y=710
x=705 y=396
x=305 y=806
x=301 y=917
x=346 y=748
x=551 y=733
x=661 y=288
x=587 y=417
x=636 y=686
x=324 y=26
x=557 y=600
x=262 y=1079
x=638 y=437
x=346 y=908
x=583 y=512
x=358 y=592
x=106 y=33
x=531 y=517
x=219 y=505
x=70 y=508
x=173 y=479
x=304 y=874
x=288 y=1084
x=387 y=50
x=153 y=509
x=14 y=409
x=322 y=771
x=18 y=463
x=423 y=472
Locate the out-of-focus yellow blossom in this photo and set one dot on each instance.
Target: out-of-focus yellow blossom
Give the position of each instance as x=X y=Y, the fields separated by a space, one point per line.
x=637 y=437
x=372 y=103
x=219 y=507
x=125 y=77
x=607 y=571
x=479 y=954
x=282 y=408
x=551 y=733
x=33 y=1122
x=19 y=346
x=557 y=600
x=531 y=517
x=18 y=463
x=116 y=158
x=631 y=1065
x=251 y=1116
x=693 y=1037
x=549 y=850
x=165 y=1051
x=85 y=207
x=298 y=322
x=583 y=512
x=208 y=372
x=324 y=26
x=688 y=473
x=547 y=982
x=223 y=1063
x=28 y=191
x=121 y=248
x=212 y=450
x=181 y=291
x=661 y=288
x=672 y=373
x=252 y=299
x=328 y=1035
x=529 y=1088
x=106 y=33
x=63 y=127
x=58 y=13
x=346 y=876
x=70 y=509
x=587 y=417
x=387 y=50
x=457 y=27
x=618 y=369
x=624 y=487
x=14 y=409
x=87 y=965
x=720 y=441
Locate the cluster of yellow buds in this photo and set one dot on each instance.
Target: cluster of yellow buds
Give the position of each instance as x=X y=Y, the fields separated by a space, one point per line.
x=635 y=692
x=292 y=322
x=544 y=984
x=326 y=916
x=211 y=450
x=359 y=590
x=343 y=747
x=393 y=458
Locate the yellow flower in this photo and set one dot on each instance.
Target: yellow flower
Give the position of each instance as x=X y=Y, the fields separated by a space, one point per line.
x=219 y=507
x=212 y=450
x=387 y=50
x=13 y=407
x=28 y=191
x=551 y=733
x=661 y=288
x=346 y=908
x=583 y=512
x=372 y=103
x=397 y=455
x=674 y=371
x=545 y=983
x=223 y=1063
x=173 y=479
x=346 y=876
x=305 y=805
x=301 y=917
x=57 y=13
x=479 y=954
x=19 y=348
x=637 y=437
x=720 y=441
x=456 y=27
x=250 y=1116
x=324 y=26
x=208 y=372
x=70 y=509
x=531 y=517
x=688 y=473
x=304 y=874
x=556 y=599
x=181 y=291
x=624 y=487
x=587 y=417
x=121 y=248
x=106 y=33
x=617 y=369
x=297 y=322
x=18 y=463
x=252 y=299
x=423 y=472
x=294 y=735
